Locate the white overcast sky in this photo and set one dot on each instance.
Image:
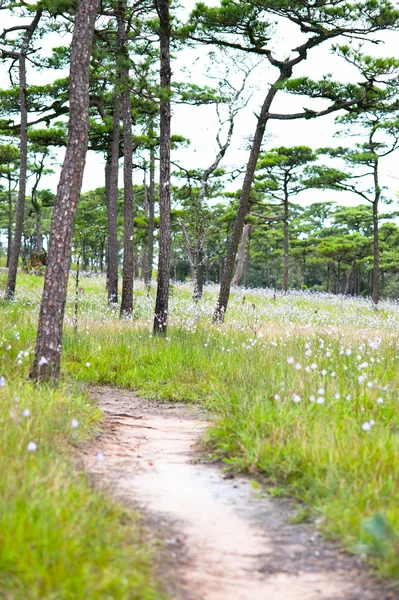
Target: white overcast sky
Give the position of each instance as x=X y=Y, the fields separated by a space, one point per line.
x=200 y=124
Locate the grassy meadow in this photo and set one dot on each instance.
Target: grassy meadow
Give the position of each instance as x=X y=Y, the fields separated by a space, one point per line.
x=304 y=389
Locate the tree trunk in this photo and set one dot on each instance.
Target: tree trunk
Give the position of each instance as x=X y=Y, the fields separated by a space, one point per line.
x=128 y=273
x=376 y=247
x=243 y=206
x=199 y=279
x=10 y=220
x=23 y=142
x=151 y=219
x=38 y=232
x=162 y=300
x=49 y=336
x=247 y=265
x=286 y=244
x=144 y=257
x=112 y=204
x=241 y=255
x=305 y=268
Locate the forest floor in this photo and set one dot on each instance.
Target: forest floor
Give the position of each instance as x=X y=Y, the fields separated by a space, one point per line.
x=223 y=537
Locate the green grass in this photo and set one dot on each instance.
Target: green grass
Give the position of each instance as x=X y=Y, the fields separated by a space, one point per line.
x=59 y=538
x=247 y=372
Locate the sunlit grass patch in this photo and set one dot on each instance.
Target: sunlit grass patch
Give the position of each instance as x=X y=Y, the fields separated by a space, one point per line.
x=304 y=389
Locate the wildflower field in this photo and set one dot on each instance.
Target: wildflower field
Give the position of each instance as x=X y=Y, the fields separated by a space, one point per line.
x=303 y=389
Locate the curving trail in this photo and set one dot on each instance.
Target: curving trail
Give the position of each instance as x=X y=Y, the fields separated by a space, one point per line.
x=222 y=540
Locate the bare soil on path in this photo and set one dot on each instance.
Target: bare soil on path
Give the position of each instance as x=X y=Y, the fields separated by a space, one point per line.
x=221 y=539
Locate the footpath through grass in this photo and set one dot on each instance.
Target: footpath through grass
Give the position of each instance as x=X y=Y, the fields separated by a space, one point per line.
x=59 y=539
x=304 y=390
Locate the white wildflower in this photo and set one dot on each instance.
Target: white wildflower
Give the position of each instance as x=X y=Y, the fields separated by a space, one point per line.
x=31 y=447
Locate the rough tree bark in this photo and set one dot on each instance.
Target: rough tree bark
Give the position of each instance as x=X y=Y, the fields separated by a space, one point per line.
x=286 y=238
x=49 y=336
x=243 y=206
x=241 y=255
x=20 y=209
x=112 y=203
x=144 y=257
x=151 y=220
x=162 y=300
x=376 y=246
x=128 y=266
x=10 y=221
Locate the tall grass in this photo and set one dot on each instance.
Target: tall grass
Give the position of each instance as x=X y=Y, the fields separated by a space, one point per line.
x=304 y=389
x=59 y=539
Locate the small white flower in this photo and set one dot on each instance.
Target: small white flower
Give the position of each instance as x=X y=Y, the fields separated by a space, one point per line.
x=298 y=366
x=372 y=422
x=43 y=361
x=26 y=412
x=307 y=369
x=369 y=385
x=366 y=426
x=308 y=352
x=349 y=397
x=348 y=352
x=328 y=354
x=324 y=372
x=290 y=360
x=260 y=334
x=312 y=399
x=2 y=381
x=74 y=423
x=321 y=391
x=88 y=365
x=31 y=447
x=380 y=401
x=296 y=398
x=337 y=396
x=313 y=366
x=277 y=396
x=361 y=379
x=320 y=400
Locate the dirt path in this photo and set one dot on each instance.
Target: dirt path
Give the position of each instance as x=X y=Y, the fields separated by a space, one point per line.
x=222 y=541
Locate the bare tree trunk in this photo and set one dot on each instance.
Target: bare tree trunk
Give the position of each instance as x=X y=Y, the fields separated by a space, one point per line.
x=162 y=300
x=241 y=255
x=10 y=220
x=128 y=273
x=20 y=210
x=112 y=204
x=199 y=276
x=286 y=244
x=151 y=219
x=38 y=232
x=247 y=265
x=144 y=252
x=376 y=246
x=49 y=336
x=305 y=269
x=243 y=206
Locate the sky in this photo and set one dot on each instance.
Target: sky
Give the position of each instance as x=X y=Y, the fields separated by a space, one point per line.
x=200 y=124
